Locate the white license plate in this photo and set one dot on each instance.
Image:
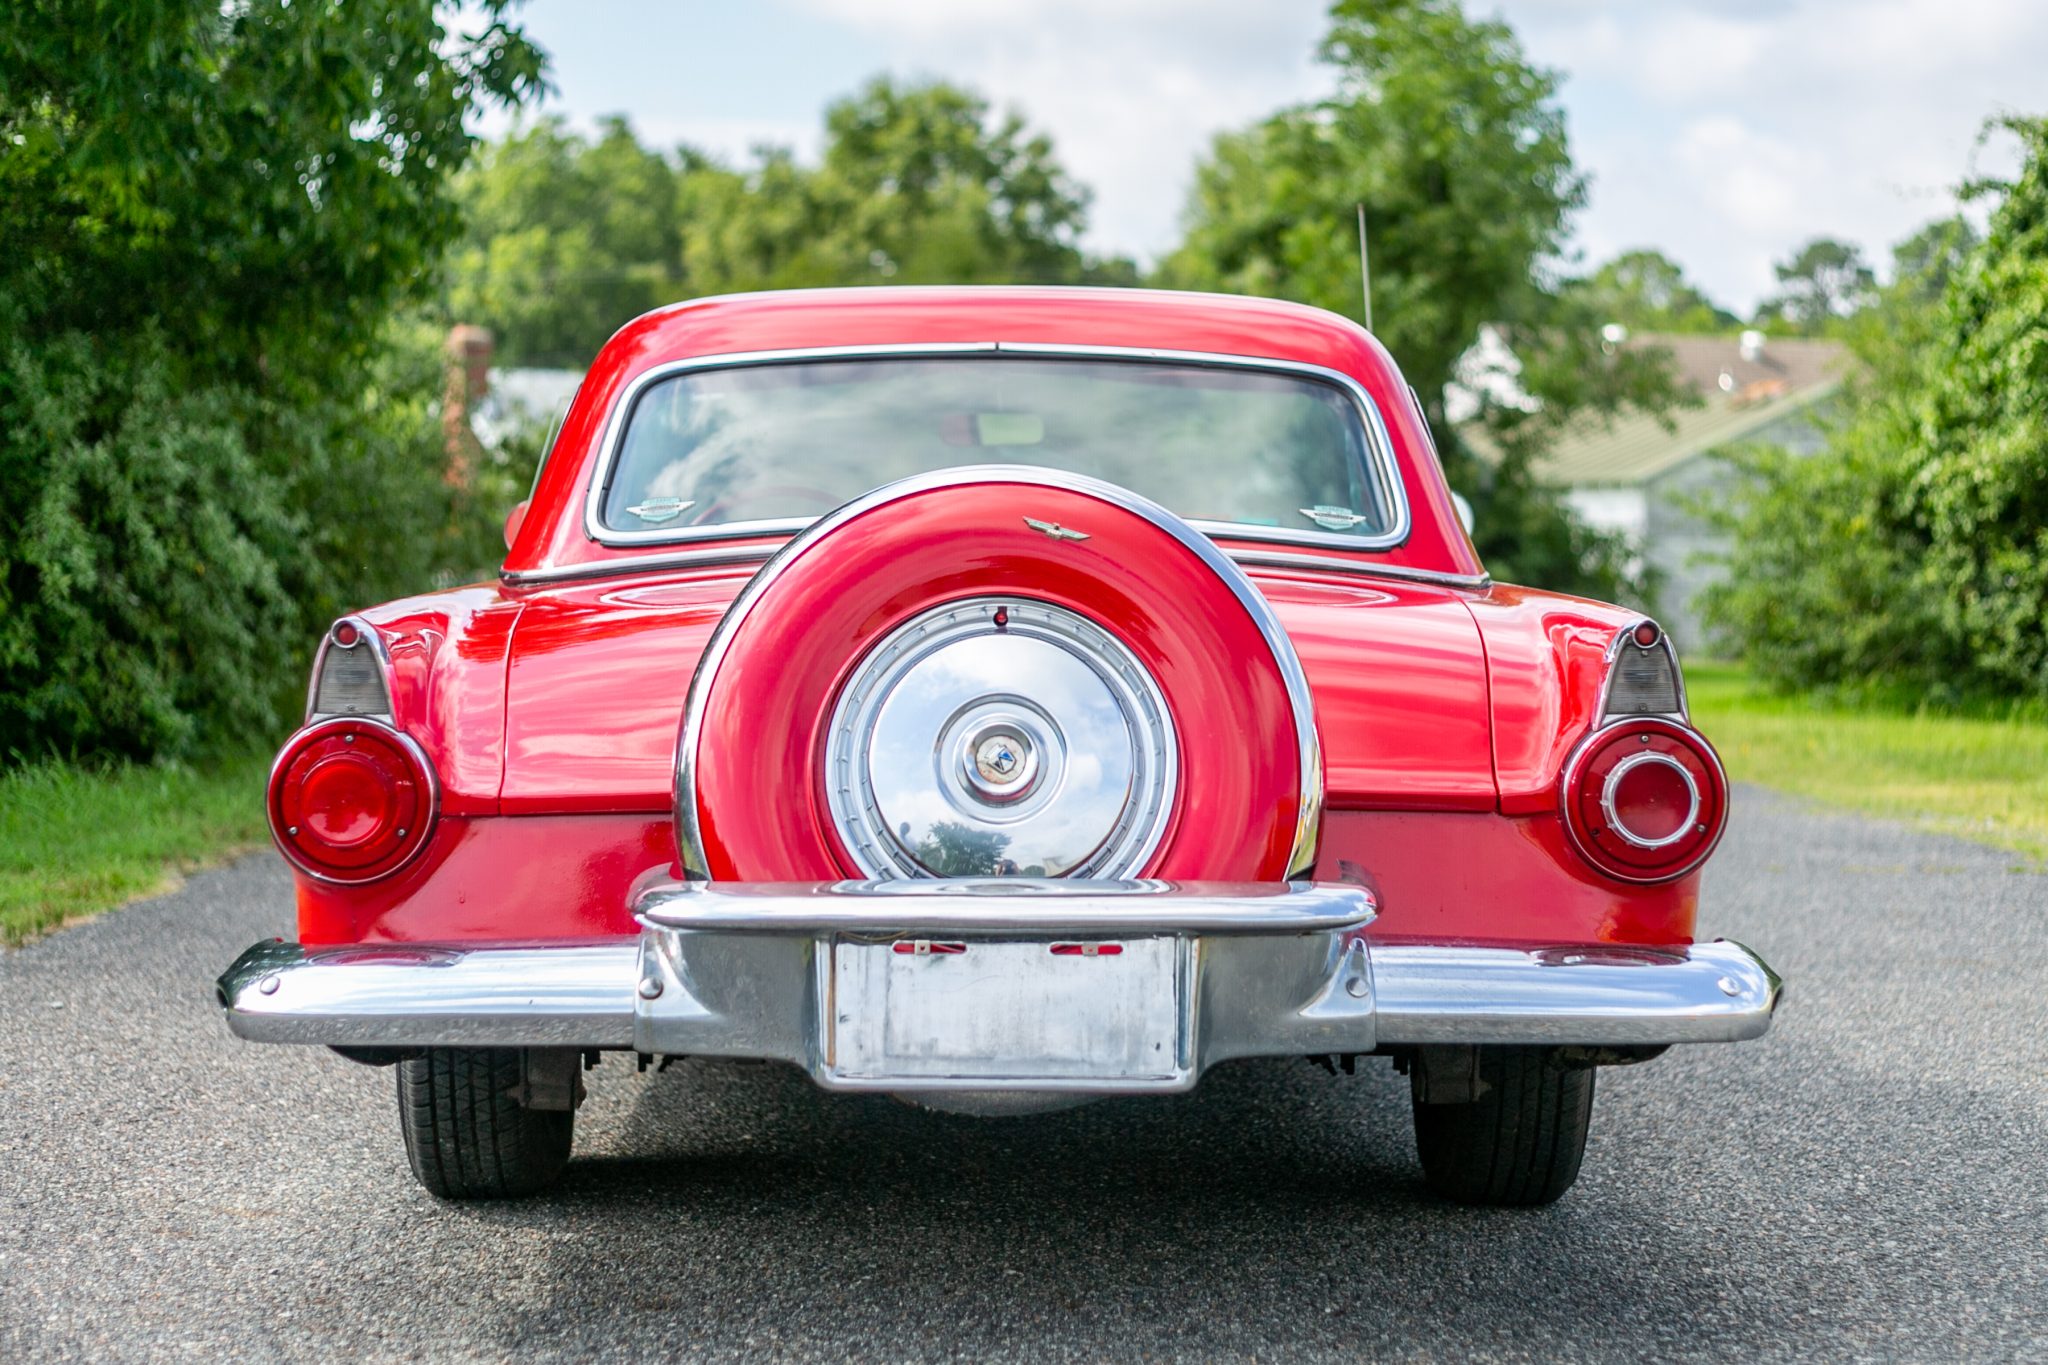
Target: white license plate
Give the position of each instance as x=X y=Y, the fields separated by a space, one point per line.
x=972 y=1011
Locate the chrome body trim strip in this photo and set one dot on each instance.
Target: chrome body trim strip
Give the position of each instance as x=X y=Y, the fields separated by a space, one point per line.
x=626 y=565
x=1308 y=826
x=1273 y=559
x=1381 y=463
x=1266 y=971
x=714 y=557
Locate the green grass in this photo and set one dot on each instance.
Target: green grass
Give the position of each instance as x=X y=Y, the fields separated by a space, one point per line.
x=74 y=841
x=1982 y=776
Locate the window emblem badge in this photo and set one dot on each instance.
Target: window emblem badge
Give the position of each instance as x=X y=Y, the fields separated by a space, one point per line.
x=1054 y=529
x=662 y=509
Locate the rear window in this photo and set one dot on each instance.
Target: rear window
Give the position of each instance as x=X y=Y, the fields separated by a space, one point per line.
x=783 y=442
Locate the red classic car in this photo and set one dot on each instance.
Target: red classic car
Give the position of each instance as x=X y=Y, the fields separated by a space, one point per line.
x=997 y=698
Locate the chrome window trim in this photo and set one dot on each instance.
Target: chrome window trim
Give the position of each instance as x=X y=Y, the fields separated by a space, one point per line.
x=1308 y=824
x=1380 y=466
x=365 y=633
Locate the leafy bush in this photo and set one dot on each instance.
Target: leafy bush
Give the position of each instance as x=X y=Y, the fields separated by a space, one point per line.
x=174 y=550
x=141 y=589
x=1913 y=550
x=212 y=435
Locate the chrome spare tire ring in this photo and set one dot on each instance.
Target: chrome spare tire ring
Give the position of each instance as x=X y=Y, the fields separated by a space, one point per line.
x=1001 y=735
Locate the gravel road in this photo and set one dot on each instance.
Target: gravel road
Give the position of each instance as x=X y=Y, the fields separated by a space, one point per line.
x=1871 y=1180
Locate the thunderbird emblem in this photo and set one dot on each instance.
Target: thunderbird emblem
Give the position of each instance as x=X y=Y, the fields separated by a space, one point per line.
x=1054 y=529
x=661 y=509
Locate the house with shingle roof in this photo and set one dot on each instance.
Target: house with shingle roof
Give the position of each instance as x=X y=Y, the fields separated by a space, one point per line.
x=1644 y=476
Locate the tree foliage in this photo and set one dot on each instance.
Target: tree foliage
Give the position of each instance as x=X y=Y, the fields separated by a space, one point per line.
x=1457 y=147
x=1647 y=291
x=1914 y=549
x=1819 y=285
x=208 y=215
x=917 y=184
x=566 y=238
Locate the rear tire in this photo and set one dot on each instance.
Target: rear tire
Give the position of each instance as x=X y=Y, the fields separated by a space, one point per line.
x=1520 y=1142
x=466 y=1134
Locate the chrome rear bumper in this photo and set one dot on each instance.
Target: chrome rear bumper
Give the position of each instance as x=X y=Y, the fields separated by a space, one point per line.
x=749 y=971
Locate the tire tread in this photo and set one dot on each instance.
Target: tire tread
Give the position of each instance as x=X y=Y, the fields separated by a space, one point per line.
x=466 y=1134
x=1520 y=1143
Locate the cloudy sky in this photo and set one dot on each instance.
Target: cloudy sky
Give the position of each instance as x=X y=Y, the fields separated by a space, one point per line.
x=1723 y=131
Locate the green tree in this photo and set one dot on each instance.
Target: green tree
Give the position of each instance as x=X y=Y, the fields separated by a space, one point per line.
x=1822 y=283
x=565 y=240
x=954 y=849
x=1927 y=261
x=1457 y=147
x=208 y=215
x=1647 y=291
x=917 y=184
x=1913 y=550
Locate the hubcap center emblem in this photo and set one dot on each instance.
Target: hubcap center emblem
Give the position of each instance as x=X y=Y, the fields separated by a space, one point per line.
x=1000 y=762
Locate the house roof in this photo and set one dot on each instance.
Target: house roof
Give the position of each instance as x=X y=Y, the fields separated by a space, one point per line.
x=1740 y=397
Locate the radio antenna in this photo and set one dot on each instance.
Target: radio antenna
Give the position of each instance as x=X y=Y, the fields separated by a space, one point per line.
x=1364 y=269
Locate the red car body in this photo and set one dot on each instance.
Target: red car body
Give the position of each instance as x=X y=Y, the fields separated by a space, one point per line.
x=1447 y=703
x=1457 y=779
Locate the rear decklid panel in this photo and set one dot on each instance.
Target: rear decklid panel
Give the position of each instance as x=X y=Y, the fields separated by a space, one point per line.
x=599 y=674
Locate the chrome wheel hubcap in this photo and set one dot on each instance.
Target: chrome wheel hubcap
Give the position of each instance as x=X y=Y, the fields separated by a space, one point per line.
x=999 y=737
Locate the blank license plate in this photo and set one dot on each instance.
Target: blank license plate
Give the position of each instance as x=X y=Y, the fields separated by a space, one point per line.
x=1008 y=1012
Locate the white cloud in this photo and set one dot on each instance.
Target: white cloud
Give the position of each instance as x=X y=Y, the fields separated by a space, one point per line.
x=1131 y=91
x=1725 y=132
x=1728 y=133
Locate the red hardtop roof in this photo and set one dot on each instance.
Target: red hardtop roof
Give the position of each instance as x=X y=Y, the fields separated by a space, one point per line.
x=552 y=536
x=1146 y=319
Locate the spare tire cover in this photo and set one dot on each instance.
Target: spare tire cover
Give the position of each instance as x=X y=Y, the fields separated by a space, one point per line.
x=998 y=670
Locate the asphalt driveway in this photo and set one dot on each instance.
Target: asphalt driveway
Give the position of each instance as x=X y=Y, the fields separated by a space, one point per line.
x=1869 y=1181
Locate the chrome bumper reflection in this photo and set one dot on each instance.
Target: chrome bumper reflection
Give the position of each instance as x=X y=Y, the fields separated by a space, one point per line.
x=747 y=972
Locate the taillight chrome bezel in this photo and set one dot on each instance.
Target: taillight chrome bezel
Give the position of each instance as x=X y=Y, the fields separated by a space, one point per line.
x=409 y=841
x=1658 y=652
x=1587 y=789
x=350 y=633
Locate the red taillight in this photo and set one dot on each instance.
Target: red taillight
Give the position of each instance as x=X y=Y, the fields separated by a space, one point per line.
x=351 y=800
x=1645 y=800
